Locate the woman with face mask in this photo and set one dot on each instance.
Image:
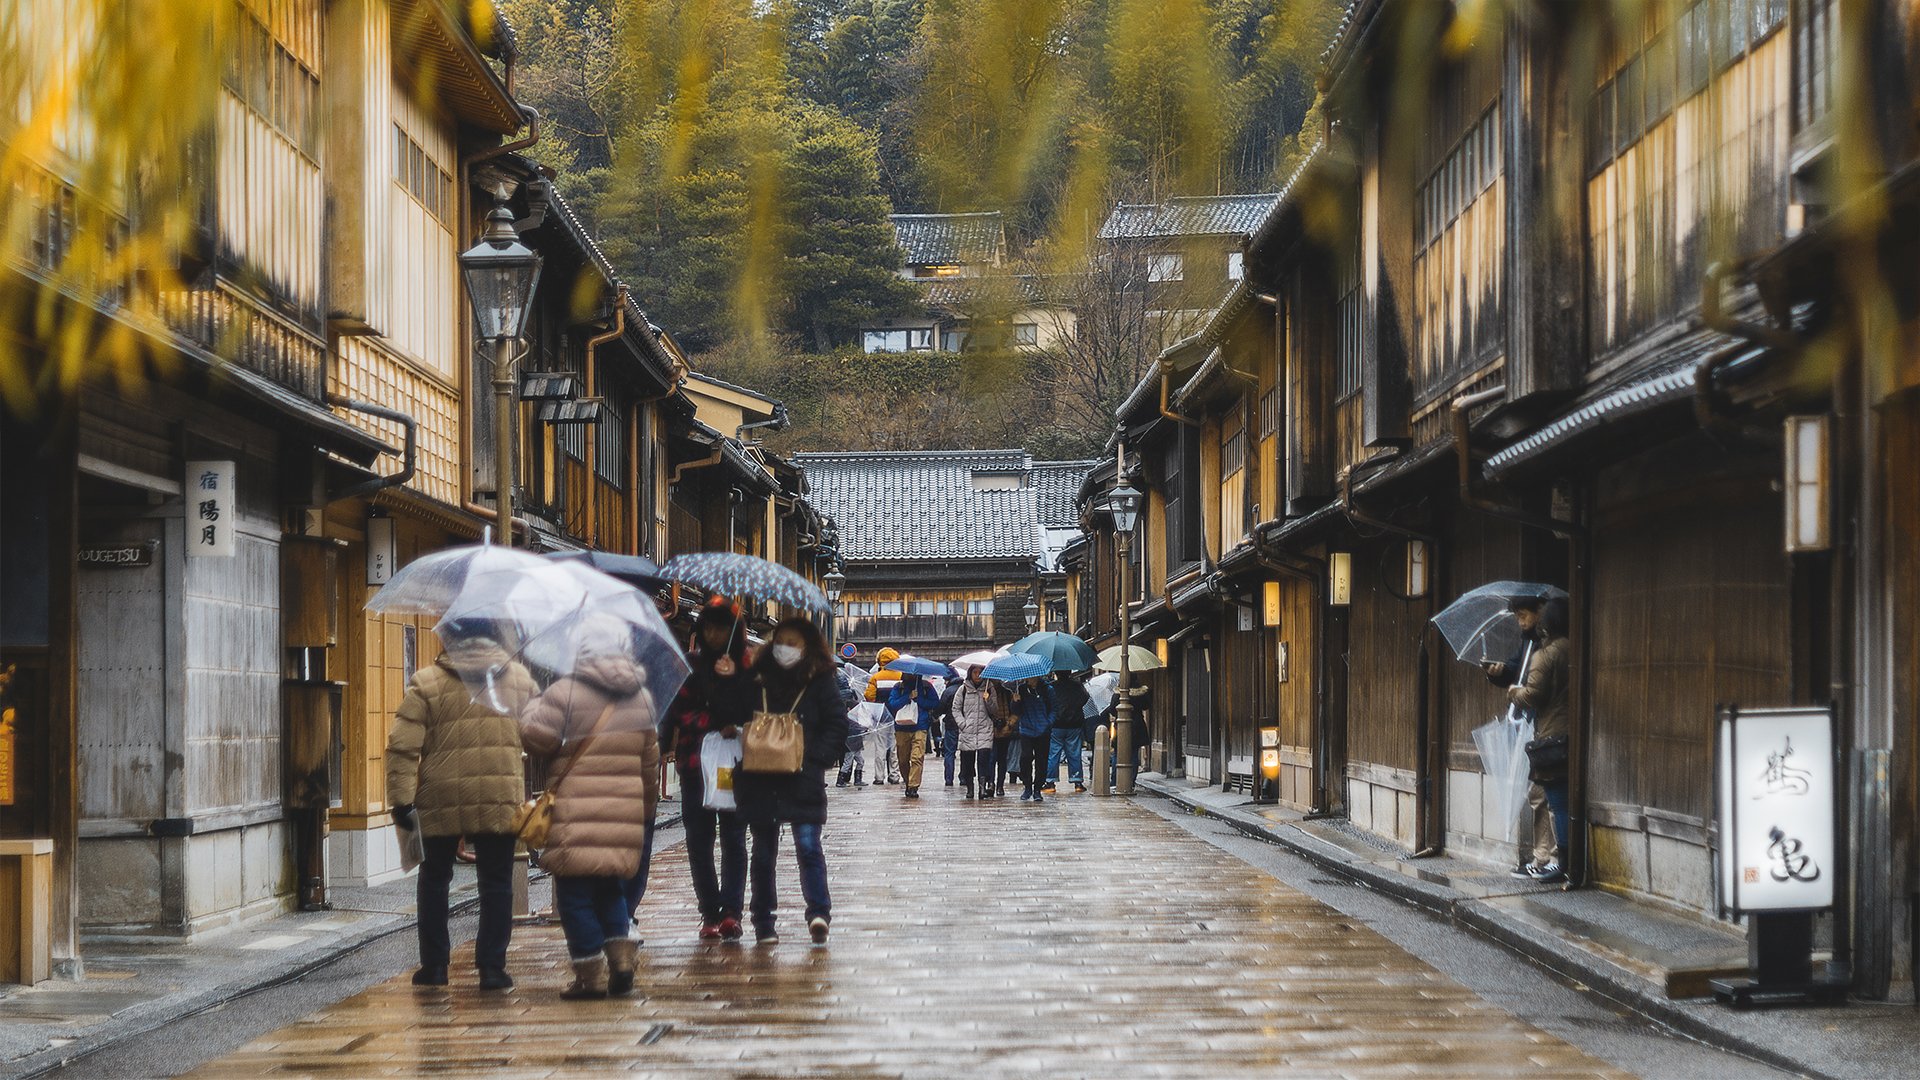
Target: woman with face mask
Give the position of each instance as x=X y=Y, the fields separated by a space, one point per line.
x=794 y=673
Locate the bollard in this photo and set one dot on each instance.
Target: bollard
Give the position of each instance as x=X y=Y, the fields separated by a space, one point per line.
x=1102 y=756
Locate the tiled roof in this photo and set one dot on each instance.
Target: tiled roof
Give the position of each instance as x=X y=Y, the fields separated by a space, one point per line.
x=963 y=294
x=921 y=504
x=950 y=239
x=1202 y=215
x=1058 y=483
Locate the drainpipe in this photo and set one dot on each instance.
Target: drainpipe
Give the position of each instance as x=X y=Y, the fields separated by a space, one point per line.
x=532 y=116
x=1166 y=377
x=779 y=422
x=407 y=453
x=689 y=466
x=1463 y=450
x=593 y=390
x=1713 y=312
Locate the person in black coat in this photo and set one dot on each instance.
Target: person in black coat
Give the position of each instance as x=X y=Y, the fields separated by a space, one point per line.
x=794 y=673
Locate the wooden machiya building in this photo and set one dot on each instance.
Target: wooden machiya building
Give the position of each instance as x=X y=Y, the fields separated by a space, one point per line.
x=944 y=550
x=1562 y=324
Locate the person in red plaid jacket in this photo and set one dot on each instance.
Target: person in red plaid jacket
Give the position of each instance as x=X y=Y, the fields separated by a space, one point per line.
x=718 y=696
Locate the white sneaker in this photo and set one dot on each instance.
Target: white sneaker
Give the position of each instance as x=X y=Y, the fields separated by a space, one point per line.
x=1551 y=872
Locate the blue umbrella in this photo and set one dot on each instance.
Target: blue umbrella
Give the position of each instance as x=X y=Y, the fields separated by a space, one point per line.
x=1015 y=667
x=914 y=665
x=729 y=574
x=1063 y=652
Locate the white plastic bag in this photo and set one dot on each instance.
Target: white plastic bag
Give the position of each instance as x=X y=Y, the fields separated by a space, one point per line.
x=907 y=716
x=413 y=849
x=719 y=757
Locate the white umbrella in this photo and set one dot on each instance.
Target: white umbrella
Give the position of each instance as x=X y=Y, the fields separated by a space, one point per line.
x=1100 y=691
x=1138 y=659
x=977 y=658
x=1503 y=757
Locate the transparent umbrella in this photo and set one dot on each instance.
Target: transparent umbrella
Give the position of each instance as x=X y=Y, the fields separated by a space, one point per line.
x=1480 y=627
x=1100 y=691
x=1503 y=758
x=429 y=584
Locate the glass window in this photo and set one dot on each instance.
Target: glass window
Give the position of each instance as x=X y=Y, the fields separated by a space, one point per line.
x=921 y=607
x=953 y=340
x=858 y=608
x=979 y=607
x=1169 y=267
x=1236 y=265
x=885 y=341
x=920 y=339
x=1026 y=333
x=892 y=607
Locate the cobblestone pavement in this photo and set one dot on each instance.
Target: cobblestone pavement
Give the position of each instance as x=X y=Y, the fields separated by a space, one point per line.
x=1080 y=937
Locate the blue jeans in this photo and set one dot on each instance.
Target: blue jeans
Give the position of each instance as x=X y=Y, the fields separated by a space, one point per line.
x=725 y=895
x=813 y=872
x=1557 y=802
x=949 y=745
x=593 y=911
x=635 y=887
x=1065 y=743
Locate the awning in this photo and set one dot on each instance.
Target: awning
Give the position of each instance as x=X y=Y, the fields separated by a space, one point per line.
x=1635 y=399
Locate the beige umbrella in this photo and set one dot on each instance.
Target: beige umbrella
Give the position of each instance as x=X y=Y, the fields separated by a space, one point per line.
x=1138 y=659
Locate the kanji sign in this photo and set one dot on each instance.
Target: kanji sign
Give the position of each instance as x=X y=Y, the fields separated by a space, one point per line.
x=211 y=508
x=1776 y=792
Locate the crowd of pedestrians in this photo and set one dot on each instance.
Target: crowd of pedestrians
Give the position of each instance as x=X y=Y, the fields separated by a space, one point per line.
x=457 y=766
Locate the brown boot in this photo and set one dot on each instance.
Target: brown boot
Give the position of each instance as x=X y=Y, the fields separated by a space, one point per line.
x=589 y=979
x=621 y=953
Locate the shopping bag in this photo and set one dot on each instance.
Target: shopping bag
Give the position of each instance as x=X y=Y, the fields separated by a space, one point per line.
x=719 y=757
x=413 y=849
x=908 y=716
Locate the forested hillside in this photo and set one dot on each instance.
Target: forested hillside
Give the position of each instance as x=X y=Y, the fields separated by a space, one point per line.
x=740 y=157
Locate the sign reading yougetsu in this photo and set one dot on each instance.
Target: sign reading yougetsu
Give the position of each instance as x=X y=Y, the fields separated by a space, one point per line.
x=211 y=508
x=1776 y=791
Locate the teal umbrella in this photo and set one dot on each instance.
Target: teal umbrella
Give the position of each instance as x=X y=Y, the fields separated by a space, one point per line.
x=1063 y=651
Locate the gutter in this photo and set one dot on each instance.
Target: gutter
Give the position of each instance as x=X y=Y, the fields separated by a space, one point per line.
x=593 y=389
x=532 y=116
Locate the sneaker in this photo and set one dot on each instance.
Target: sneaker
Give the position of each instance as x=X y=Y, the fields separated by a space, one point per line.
x=730 y=928
x=1026 y=794
x=1548 y=874
x=1524 y=872
x=859 y=783
x=842 y=783
x=817 y=929
x=913 y=793
x=768 y=936
x=710 y=931
x=1048 y=786
x=1078 y=786
x=1037 y=797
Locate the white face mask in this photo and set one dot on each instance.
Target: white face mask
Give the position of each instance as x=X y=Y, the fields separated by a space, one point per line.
x=787 y=655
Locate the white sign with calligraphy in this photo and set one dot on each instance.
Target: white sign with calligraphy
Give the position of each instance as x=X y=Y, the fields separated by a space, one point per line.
x=1776 y=792
x=212 y=505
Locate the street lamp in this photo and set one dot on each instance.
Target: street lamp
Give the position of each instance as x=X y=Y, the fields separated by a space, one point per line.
x=501 y=274
x=1122 y=504
x=835 y=583
x=1032 y=612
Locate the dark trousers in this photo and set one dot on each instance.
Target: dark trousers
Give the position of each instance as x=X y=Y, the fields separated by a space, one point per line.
x=1033 y=763
x=813 y=872
x=949 y=747
x=592 y=910
x=494 y=856
x=1004 y=752
x=977 y=763
x=718 y=898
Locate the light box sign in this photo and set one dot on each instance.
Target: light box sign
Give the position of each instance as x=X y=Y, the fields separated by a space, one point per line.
x=1776 y=793
x=211 y=508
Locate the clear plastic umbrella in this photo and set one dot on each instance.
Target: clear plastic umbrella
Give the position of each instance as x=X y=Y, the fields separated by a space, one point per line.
x=429 y=584
x=1100 y=691
x=1503 y=758
x=572 y=625
x=1480 y=626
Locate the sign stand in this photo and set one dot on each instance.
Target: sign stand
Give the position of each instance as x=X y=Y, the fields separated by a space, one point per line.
x=1776 y=775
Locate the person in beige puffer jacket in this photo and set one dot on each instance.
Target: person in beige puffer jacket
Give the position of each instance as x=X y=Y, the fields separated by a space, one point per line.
x=454 y=769
x=598 y=728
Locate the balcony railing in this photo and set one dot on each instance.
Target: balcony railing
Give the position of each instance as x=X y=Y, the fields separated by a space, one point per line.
x=888 y=628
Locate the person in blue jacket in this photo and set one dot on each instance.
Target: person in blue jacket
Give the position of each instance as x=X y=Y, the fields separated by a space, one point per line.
x=910 y=740
x=1033 y=701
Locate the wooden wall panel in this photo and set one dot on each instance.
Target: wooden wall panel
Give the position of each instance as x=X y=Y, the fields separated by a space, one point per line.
x=1383 y=655
x=368 y=372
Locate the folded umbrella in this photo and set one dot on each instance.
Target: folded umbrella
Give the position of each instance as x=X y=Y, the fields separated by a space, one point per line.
x=1017 y=666
x=1503 y=758
x=731 y=574
x=1063 y=651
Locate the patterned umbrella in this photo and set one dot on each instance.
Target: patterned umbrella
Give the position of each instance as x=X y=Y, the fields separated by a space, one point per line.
x=729 y=574
x=1064 y=651
x=914 y=665
x=1015 y=667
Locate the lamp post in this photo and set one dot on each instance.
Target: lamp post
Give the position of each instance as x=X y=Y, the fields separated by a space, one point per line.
x=1123 y=505
x=1032 y=612
x=501 y=274
x=835 y=583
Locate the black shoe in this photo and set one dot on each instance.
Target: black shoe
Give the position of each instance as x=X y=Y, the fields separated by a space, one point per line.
x=949 y=783
x=1521 y=872
x=842 y=783
x=430 y=976
x=969 y=791
x=1048 y=786
x=913 y=793
x=1077 y=786
x=495 y=979
x=767 y=936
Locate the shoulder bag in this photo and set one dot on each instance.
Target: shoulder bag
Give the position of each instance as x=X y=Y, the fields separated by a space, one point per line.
x=534 y=820
x=774 y=742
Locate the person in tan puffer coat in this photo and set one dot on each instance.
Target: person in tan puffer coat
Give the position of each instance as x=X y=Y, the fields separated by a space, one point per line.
x=454 y=769
x=598 y=728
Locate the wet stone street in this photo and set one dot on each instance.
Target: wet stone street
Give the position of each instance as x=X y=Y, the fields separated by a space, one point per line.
x=1081 y=937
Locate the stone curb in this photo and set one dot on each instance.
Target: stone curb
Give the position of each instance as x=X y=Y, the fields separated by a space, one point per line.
x=1558 y=955
x=48 y=1059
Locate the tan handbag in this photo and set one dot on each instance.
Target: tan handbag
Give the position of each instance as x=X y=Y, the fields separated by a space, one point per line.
x=534 y=819
x=774 y=742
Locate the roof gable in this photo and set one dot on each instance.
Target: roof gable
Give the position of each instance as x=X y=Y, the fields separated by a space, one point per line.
x=925 y=504
x=951 y=239
x=1201 y=215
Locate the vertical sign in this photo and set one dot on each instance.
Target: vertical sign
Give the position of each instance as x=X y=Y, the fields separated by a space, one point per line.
x=382 y=553
x=1776 y=781
x=211 y=506
x=1270 y=603
x=6 y=737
